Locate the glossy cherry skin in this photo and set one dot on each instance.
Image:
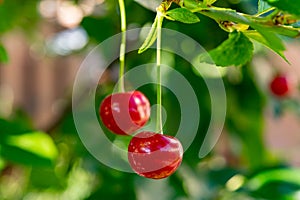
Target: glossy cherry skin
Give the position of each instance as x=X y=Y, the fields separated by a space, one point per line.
x=154 y=155
x=124 y=113
x=280 y=86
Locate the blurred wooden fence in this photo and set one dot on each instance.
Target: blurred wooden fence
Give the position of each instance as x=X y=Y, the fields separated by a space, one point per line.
x=34 y=82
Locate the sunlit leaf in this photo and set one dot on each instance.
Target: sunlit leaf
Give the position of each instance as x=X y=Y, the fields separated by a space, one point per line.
x=183 y=15
x=209 y=2
x=287 y=175
x=191 y=4
x=38 y=143
x=236 y=50
x=30 y=148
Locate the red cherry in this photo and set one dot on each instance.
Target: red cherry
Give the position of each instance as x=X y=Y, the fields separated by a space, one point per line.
x=124 y=113
x=280 y=86
x=154 y=155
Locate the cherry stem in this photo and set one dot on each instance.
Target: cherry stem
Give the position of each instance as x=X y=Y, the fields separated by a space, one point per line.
x=159 y=126
x=121 y=87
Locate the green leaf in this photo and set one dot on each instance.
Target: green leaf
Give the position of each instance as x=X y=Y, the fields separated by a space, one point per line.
x=209 y=2
x=236 y=50
x=270 y=42
x=32 y=148
x=286 y=175
x=271 y=37
x=22 y=145
x=262 y=6
x=290 y=6
x=281 y=30
x=151 y=37
x=224 y=14
x=38 y=143
x=183 y=15
x=191 y=4
x=3 y=55
x=268 y=36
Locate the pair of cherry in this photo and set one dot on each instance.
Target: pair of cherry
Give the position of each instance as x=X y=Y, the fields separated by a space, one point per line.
x=151 y=155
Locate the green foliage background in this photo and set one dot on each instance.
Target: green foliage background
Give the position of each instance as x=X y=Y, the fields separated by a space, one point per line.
x=55 y=164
